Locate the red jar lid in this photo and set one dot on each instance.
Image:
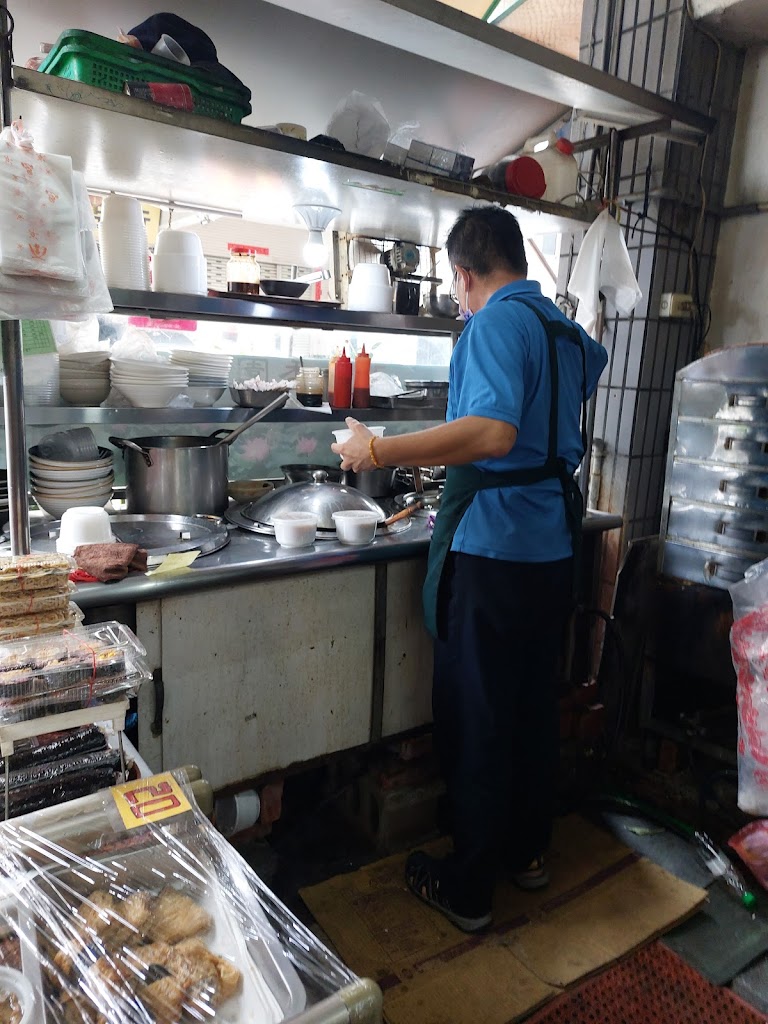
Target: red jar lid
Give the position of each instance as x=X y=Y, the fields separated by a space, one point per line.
x=525 y=177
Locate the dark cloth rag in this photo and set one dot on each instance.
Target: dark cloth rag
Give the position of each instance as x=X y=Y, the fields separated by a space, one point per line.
x=110 y=562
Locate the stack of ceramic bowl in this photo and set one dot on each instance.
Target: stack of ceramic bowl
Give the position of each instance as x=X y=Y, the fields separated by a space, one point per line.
x=208 y=374
x=84 y=377
x=178 y=263
x=57 y=485
x=3 y=491
x=148 y=385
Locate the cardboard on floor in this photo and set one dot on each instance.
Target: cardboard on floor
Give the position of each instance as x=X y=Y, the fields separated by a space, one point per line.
x=603 y=901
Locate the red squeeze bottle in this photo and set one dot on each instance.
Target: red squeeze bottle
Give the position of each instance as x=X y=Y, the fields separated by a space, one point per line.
x=361 y=397
x=342 y=382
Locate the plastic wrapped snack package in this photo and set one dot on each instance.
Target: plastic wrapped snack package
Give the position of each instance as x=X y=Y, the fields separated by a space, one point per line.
x=749 y=650
x=76 y=668
x=130 y=907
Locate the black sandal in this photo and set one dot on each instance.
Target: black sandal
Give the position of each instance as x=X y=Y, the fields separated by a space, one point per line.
x=422 y=876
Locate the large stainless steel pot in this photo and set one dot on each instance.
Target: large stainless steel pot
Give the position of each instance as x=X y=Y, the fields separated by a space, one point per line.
x=179 y=474
x=376 y=483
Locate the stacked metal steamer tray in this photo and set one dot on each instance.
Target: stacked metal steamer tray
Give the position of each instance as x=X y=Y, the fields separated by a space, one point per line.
x=715 y=516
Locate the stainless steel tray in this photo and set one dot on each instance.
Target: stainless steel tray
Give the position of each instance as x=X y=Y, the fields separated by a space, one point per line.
x=159 y=535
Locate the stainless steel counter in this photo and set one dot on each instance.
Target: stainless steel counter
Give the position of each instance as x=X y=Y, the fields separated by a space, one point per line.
x=250 y=556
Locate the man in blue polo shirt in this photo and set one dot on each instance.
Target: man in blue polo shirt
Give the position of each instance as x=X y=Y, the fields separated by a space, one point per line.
x=500 y=579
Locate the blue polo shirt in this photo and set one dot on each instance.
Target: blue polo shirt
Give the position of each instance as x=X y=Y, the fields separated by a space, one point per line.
x=500 y=370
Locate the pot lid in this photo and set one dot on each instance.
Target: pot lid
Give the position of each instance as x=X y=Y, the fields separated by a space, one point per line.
x=317 y=496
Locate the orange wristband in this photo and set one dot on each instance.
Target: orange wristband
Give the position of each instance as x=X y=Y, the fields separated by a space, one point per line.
x=372 y=453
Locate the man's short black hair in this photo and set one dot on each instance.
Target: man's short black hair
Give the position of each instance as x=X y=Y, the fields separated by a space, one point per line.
x=485 y=239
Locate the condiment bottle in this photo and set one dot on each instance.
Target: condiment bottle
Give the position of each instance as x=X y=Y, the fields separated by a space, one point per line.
x=331 y=374
x=309 y=386
x=342 y=382
x=361 y=397
x=243 y=272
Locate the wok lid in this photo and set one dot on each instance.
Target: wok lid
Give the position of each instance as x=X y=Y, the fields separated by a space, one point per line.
x=316 y=496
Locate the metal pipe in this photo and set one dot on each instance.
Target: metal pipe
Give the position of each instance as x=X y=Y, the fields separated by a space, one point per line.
x=13 y=365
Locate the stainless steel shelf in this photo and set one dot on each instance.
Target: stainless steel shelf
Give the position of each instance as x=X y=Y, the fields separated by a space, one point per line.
x=164 y=305
x=49 y=415
x=439 y=33
x=127 y=145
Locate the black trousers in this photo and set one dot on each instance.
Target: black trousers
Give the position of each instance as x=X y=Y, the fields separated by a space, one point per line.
x=495 y=708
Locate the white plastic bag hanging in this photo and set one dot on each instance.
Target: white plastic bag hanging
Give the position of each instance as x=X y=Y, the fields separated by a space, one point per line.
x=39 y=234
x=603 y=265
x=360 y=125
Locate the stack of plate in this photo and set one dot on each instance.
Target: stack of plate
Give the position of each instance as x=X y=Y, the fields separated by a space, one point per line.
x=148 y=385
x=3 y=490
x=57 y=486
x=84 y=377
x=208 y=374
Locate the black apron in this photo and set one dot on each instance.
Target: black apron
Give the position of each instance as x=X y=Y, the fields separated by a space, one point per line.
x=462 y=483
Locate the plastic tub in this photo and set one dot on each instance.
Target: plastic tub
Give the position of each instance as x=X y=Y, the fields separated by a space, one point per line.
x=295 y=529
x=342 y=436
x=14 y=985
x=355 y=526
x=85 y=525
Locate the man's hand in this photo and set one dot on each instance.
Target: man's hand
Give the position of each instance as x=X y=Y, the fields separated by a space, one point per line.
x=355 y=453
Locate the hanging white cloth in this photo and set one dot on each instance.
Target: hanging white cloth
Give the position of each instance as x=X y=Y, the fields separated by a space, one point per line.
x=603 y=265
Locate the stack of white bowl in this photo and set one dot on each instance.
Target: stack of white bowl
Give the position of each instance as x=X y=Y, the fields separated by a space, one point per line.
x=148 y=385
x=57 y=485
x=208 y=374
x=84 y=377
x=178 y=263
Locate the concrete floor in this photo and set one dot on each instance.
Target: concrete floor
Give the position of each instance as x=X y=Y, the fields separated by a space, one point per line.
x=724 y=942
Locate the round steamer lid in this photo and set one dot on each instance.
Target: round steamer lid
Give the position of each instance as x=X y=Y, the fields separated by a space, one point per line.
x=525 y=177
x=316 y=496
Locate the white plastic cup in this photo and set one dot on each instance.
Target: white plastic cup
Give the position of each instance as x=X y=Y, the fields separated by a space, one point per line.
x=123 y=243
x=237 y=812
x=167 y=47
x=355 y=526
x=295 y=529
x=342 y=436
x=87 y=524
x=13 y=981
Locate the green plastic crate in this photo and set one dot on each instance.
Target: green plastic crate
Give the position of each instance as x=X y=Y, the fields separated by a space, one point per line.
x=95 y=60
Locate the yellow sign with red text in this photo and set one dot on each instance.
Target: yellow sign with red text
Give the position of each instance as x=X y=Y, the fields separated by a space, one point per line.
x=147 y=801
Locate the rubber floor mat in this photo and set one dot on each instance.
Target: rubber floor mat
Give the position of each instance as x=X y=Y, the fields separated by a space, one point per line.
x=653 y=986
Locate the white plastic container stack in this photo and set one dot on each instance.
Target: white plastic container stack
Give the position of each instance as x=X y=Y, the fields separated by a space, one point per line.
x=561 y=171
x=123 y=243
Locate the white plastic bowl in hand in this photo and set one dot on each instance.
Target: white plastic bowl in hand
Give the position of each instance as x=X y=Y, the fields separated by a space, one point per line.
x=355 y=526
x=295 y=529
x=342 y=436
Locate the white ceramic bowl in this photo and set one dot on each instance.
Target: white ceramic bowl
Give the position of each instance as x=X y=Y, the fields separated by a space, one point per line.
x=143 y=396
x=13 y=981
x=355 y=526
x=371 y=274
x=75 y=475
x=295 y=529
x=81 y=394
x=169 y=240
x=342 y=436
x=56 y=507
x=59 y=488
x=371 y=298
x=88 y=524
x=204 y=396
